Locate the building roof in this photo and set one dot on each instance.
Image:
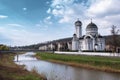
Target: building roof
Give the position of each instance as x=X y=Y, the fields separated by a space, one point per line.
x=78 y=23
x=82 y=37
x=99 y=36
x=91 y=25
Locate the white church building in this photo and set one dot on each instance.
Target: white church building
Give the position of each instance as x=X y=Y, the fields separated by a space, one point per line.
x=91 y=41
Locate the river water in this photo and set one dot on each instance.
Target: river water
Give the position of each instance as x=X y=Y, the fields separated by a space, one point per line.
x=54 y=71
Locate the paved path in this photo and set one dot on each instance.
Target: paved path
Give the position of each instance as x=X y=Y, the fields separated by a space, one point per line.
x=90 y=53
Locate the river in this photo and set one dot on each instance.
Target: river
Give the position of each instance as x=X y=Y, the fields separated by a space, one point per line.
x=54 y=71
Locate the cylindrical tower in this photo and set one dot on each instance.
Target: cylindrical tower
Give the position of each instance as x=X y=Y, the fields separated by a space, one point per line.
x=78 y=28
x=75 y=42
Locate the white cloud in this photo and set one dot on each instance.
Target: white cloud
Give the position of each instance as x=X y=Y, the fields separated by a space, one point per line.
x=104 y=13
x=20 y=37
x=49 y=11
x=67 y=10
x=65 y=19
x=47 y=2
x=43 y=24
x=64 y=2
x=47 y=20
x=113 y=18
x=38 y=25
x=3 y=16
x=14 y=25
x=24 y=9
x=104 y=7
x=56 y=12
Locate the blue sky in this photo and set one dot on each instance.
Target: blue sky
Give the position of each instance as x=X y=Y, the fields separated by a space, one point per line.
x=25 y=22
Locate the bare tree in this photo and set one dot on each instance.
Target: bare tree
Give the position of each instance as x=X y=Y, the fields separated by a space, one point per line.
x=115 y=38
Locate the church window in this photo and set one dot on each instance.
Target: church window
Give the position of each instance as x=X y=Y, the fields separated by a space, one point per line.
x=101 y=45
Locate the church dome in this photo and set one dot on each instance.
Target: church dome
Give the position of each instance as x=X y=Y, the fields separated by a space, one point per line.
x=78 y=23
x=92 y=29
x=91 y=25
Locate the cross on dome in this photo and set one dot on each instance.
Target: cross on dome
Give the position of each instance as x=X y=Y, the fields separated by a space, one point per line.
x=91 y=20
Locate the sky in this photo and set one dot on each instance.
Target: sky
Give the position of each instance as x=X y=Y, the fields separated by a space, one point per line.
x=26 y=22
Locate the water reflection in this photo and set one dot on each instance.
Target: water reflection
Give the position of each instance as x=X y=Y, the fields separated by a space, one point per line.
x=55 y=71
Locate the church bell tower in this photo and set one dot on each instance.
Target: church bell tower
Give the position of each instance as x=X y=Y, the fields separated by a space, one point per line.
x=77 y=35
x=78 y=28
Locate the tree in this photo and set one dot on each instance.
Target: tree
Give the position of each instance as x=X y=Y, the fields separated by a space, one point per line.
x=115 y=39
x=3 y=47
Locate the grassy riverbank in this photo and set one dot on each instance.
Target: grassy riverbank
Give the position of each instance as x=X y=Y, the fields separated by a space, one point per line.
x=10 y=71
x=109 y=64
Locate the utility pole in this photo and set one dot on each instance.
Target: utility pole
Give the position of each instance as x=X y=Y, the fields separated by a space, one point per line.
x=17 y=57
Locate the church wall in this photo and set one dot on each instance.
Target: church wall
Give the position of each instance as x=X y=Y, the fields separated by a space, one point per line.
x=69 y=45
x=91 y=44
x=101 y=44
x=84 y=45
x=59 y=46
x=75 y=45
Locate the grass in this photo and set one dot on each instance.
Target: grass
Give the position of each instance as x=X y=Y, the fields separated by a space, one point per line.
x=111 y=64
x=10 y=71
